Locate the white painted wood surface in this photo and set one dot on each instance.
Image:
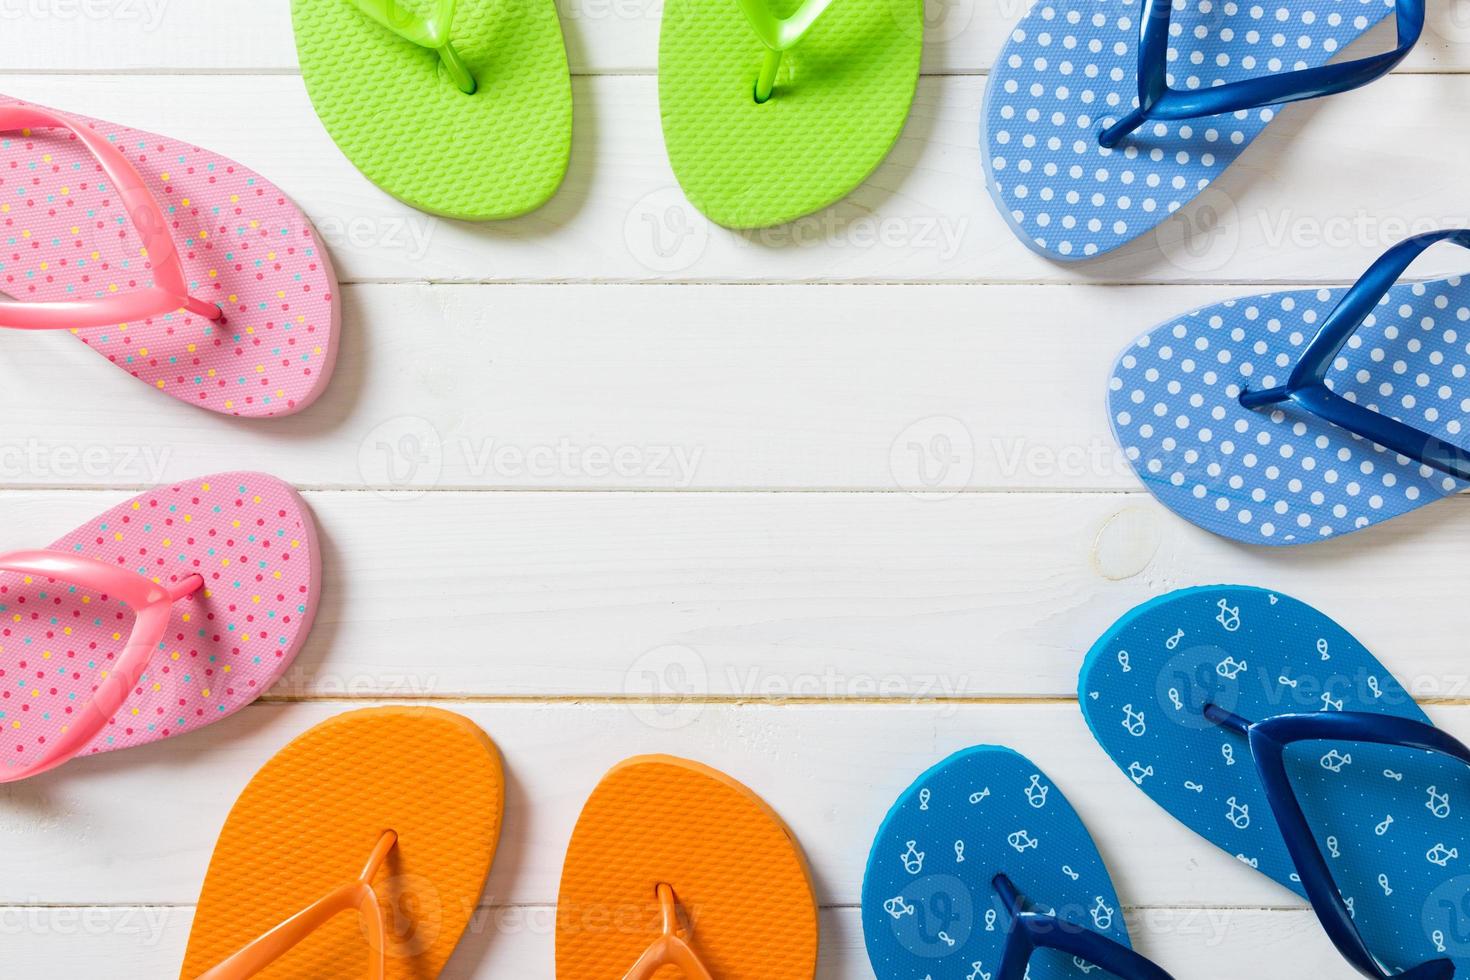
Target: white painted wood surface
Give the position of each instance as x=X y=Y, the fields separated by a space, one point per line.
x=816 y=506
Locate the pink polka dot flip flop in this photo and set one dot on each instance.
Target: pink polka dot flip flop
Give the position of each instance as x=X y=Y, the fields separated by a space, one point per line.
x=168 y=612
x=184 y=268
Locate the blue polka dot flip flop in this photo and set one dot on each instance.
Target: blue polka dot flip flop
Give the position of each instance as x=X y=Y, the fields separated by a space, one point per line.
x=1270 y=731
x=1104 y=117
x=983 y=871
x=1292 y=417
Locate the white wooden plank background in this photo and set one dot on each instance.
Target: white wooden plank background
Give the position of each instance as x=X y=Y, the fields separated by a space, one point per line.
x=767 y=579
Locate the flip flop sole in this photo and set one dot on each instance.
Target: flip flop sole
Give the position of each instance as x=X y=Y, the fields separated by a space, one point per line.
x=1384 y=817
x=928 y=903
x=252 y=539
x=734 y=867
x=66 y=236
x=307 y=820
x=1070 y=68
x=392 y=110
x=841 y=99
x=1285 y=476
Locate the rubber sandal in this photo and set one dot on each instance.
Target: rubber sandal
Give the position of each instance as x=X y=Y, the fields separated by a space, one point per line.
x=1102 y=119
x=674 y=864
x=389 y=813
x=185 y=269
x=465 y=113
x=1267 y=729
x=767 y=117
x=1292 y=417
x=164 y=614
x=983 y=870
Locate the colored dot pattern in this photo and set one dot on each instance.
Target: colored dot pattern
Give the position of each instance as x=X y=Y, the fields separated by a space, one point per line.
x=1283 y=476
x=1070 y=69
x=66 y=236
x=252 y=540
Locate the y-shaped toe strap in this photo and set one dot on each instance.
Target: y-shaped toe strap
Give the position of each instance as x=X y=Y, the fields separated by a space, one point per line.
x=778 y=34
x=1156 y=100
x=152 y=605
x=1268 y=740
x=1031 y=930
x=430 y=31
x=170 y=290
x=358 y=894
x=669 y=948
x=1306 y=386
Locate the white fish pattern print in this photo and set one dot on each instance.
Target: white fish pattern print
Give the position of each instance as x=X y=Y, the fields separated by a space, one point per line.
x=1383 y=816
x=990 y=810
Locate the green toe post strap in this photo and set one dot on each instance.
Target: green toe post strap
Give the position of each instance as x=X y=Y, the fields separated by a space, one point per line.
x=777 y=34
x=428 y=31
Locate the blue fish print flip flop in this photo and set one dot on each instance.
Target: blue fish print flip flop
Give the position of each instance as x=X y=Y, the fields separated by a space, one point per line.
x=1267 y=729
x=983 y=871
x=1104 y=117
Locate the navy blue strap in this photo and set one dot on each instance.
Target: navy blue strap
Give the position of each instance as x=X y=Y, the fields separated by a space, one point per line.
x=1030 y=931
x=1268 y=740
x=1306 y=387
x=1156 y=100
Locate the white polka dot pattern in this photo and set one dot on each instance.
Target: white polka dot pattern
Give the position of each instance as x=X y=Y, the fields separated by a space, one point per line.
x=1283 y=476
x=1071 y=68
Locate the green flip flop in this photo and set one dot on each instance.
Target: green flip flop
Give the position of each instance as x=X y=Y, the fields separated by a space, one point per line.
x=467 y=115
x=773 y=109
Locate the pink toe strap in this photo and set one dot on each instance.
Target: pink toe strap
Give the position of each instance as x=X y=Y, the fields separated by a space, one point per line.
x=169 y=291
x=152 y=605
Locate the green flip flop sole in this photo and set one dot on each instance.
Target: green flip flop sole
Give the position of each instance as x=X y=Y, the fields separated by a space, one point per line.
x=841 y=97
x=395 y=113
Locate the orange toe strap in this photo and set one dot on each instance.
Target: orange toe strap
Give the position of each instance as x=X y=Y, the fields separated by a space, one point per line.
x=669 y=948
x=359 y=894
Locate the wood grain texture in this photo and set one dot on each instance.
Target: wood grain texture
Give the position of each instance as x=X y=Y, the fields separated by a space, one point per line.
x=923 y=216
x=794 y=594
x=831 y=772
x=602 y=36
x=519 y=942
x=636 y=387
x=816 y=506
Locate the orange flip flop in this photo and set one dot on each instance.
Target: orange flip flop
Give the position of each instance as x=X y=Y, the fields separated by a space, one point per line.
x=390 y=813
x=677 y=868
